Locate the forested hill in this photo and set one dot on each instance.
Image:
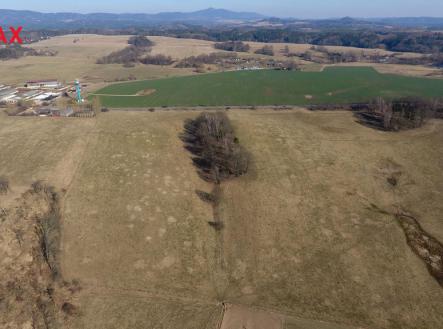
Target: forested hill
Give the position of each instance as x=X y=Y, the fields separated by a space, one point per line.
x=206 y=17
x=37 y=20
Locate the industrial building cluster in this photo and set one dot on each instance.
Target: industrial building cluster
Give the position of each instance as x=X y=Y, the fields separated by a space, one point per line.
x=36 y=97
x=36 y=91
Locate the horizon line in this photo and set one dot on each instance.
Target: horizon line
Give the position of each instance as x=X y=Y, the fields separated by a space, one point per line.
x=234 y=11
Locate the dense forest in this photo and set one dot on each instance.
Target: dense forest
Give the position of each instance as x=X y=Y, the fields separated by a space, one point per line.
x=420 y=42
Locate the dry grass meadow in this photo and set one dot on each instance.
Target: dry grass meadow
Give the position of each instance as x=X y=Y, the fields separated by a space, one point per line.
x=398 y=69
x=304 y=239
x=76 y=59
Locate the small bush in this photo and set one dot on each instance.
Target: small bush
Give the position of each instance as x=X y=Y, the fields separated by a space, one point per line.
x=140 y=41
x=266 y=50
x=4 y=185
x=212 y=198
x=69 y=309
x=216 y=224
x=38 y=186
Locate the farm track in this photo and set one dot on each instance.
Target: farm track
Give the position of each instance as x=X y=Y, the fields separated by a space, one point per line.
x=112 y=95
x=120 y=293
x=92 y=137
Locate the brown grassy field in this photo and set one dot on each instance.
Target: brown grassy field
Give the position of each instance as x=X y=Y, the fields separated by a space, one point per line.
x=77 y=60
x=399 y=69
x=311 y=241
x=181 y=48
x=302 y=237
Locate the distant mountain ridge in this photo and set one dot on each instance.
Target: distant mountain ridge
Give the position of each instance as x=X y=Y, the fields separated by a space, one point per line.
x=33 y=19
x=420 y=22
x=206 y=17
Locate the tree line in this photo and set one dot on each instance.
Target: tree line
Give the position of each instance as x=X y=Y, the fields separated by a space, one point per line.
x=400 y=114
x=393 y=40
x=137 y=52
x=17 y=51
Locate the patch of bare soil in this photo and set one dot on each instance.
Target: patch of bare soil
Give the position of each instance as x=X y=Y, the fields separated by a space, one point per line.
x=146 y=92
x=32 y=291
x=240 y=317
x=429 y=249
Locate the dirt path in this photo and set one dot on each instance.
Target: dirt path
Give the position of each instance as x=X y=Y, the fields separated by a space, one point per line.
x=241 y=317
x=237 y=316
x=115 y=95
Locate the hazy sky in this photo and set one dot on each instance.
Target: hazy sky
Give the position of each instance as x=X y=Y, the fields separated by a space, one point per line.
x=282 y=8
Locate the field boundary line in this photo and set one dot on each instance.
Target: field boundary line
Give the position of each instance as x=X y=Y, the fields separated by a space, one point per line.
x=141 y=294
x=114 y=95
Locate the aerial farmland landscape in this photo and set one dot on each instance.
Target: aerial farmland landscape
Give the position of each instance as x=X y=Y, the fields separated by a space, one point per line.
x=221 y=169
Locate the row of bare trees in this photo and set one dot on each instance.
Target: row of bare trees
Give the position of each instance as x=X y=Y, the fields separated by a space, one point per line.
x=400 y=114
x=138 y=46
x=236 y=46
x=218 y=156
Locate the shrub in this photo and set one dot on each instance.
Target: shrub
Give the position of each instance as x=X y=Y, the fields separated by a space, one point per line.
x=266 y=50
x=127 y=55
x=198 y=61
x=212 y=198
x=140 y=41
x=216 y=224
x=4 y=185
x=48 y=227
x=157 y=60
x=232 y=46
x=69 y=308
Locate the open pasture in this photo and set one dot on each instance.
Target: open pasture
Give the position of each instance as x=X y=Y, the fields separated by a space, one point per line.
x=302 y=239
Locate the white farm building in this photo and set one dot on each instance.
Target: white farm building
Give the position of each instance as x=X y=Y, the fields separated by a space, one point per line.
x=43 y=84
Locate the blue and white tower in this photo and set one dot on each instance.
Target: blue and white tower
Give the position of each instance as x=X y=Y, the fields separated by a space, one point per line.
x=78 y=90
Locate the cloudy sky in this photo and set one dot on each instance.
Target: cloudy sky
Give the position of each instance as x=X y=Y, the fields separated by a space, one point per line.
x=282 y=8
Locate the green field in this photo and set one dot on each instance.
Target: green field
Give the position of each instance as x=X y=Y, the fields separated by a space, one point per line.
x=334 y=85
